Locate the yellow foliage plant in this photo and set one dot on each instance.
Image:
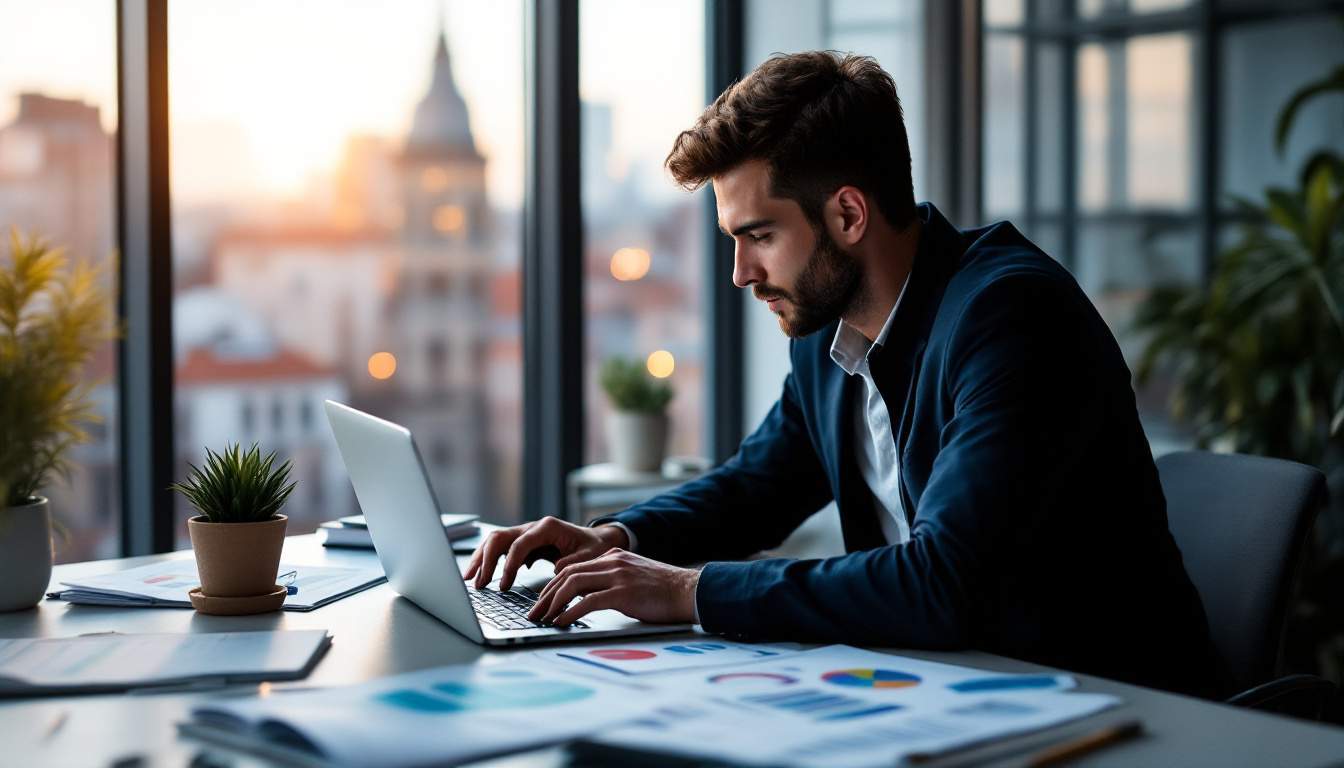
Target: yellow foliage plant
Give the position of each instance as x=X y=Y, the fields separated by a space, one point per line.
x=53 y=316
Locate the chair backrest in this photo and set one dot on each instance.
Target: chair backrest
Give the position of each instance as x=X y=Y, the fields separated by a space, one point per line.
x=1240 y=522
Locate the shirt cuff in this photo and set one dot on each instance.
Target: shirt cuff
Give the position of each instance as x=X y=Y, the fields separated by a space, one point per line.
x=629 y=534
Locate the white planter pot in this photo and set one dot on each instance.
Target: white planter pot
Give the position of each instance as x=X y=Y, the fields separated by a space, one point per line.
x=637 y=441
x=25 y=554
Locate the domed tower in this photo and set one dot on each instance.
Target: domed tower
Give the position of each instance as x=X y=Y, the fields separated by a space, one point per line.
x=439 y=317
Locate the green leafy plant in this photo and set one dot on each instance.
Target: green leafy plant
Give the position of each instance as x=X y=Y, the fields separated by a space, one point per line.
x=1256 y=355
x=631 y=388
x=237 y=486
x=53 y=316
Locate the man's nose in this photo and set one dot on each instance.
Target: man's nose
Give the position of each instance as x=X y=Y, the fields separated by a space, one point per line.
x=746 y=271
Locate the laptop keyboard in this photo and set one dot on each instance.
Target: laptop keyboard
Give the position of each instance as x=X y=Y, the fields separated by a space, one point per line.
x=507 y=610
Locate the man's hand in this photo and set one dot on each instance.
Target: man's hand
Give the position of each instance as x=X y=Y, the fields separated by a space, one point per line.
x=640 y=588
x=547 y=539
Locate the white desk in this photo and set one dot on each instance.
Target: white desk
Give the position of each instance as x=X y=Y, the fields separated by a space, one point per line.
x=377 y=633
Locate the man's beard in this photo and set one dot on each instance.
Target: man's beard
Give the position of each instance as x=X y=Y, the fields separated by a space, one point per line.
x=826 y=289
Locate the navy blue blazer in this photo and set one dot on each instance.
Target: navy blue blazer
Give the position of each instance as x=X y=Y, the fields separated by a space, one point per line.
x=1038 y=528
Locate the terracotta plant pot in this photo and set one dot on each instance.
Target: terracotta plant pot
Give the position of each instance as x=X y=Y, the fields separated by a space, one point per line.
x=237 y=559
x=25 y=554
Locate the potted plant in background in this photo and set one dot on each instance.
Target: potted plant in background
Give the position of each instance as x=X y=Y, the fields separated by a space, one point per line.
x=637 y=425
x=238 y=535
x=1257 y=358
x=53 y=316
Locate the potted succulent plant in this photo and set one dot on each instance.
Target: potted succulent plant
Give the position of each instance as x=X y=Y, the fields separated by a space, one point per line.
x=53 y=316
x=238 y=535
x=637 y=425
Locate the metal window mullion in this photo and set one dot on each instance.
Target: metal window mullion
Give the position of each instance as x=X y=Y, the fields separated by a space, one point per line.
x=145 y=354
x=1209 y=59
x=724 y=326
x=1068 y=56
x=553 y=343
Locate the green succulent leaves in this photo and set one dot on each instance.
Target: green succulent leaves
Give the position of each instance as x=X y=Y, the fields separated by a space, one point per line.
x=237 y=486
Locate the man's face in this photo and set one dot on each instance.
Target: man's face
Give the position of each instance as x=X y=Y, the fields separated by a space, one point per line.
x=804 y=277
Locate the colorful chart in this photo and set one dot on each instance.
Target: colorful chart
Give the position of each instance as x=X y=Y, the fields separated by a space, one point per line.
x=462 y=697
x=728 y=677
x=622 y=654
x=871 y=678
x=1005 y=683
x=694 y=648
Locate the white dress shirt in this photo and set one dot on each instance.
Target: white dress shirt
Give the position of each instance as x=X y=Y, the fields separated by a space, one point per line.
x=875 y=445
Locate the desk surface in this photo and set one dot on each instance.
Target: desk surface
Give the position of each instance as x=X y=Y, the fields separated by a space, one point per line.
x=377 y=633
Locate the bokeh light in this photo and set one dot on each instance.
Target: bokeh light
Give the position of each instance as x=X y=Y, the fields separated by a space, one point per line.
x=661 y=364
x=629 y=264
x=382 y=365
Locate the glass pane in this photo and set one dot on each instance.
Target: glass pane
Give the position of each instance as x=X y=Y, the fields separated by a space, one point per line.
x=1135 y=144
x=1119 y=261
x=1050 y=166
x=1093 y=8
x=346 y=220
x=58 y=120
x=643 y=235
x=1004 y=143
x=890 y=32
x=1255 y=88
x=1002 y=12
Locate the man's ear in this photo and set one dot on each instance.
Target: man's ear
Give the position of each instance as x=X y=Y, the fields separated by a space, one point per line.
x=846 y=216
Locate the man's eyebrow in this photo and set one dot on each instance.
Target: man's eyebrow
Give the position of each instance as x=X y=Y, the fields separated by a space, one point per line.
x=750 y=225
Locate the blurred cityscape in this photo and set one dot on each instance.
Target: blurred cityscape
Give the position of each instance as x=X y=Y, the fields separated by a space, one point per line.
x=393 y=285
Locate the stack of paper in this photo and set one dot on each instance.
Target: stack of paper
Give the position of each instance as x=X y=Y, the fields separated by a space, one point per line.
x=113 y=662
x=353 y=531
x=166 y=584
x=756 y=705
x=434 y=717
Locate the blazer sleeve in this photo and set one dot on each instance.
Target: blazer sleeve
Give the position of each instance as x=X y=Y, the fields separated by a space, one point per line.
x=749 y=503
x=979 y=495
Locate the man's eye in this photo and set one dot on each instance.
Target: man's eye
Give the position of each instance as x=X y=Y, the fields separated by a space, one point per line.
x=759 y=238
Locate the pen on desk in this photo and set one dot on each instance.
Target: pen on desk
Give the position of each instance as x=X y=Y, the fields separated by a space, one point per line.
x=57 y=723
x=1088 y=742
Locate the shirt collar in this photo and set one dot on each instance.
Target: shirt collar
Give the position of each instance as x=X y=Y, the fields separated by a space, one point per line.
x=849 y=348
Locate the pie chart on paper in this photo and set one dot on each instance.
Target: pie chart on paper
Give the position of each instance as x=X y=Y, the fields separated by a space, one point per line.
x=871 y=678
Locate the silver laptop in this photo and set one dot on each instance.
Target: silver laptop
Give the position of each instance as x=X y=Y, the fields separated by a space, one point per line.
x=403 y=518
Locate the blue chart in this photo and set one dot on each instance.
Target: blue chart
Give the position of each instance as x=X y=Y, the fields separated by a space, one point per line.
x=444 y=698
x=694 y=649
x=1005 y=683
x=820 y=705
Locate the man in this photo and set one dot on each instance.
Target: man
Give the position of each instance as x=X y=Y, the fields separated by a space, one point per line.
x=954 y=392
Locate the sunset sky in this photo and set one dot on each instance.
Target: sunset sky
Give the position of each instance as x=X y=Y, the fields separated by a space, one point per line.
x=264 y=93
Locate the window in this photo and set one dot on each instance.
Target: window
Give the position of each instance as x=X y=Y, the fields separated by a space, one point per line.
x=375 y=164
x=58 y=119
x=641 y=82
x=1124 y=208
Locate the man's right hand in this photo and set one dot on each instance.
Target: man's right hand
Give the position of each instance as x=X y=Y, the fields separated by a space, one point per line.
x=546 y=538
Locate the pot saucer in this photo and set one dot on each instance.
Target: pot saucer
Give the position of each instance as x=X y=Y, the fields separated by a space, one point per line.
x=237 y=606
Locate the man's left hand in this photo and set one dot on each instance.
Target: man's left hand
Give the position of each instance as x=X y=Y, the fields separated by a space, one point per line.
x=640 y=588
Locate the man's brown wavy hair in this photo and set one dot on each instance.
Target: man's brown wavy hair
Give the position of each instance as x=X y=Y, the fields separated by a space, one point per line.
x=820 y=120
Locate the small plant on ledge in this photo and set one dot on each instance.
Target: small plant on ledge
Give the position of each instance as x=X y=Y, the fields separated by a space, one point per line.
x=239 y=532
x=637 y=425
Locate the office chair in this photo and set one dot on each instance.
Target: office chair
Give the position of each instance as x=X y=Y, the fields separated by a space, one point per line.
x=1241 y=523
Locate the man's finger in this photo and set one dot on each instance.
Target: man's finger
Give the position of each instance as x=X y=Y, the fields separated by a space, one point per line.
x=473 y=563
x=575 y=585
x=566 y=572
x=492 y=549
x=518 y=552
x=594 y=602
